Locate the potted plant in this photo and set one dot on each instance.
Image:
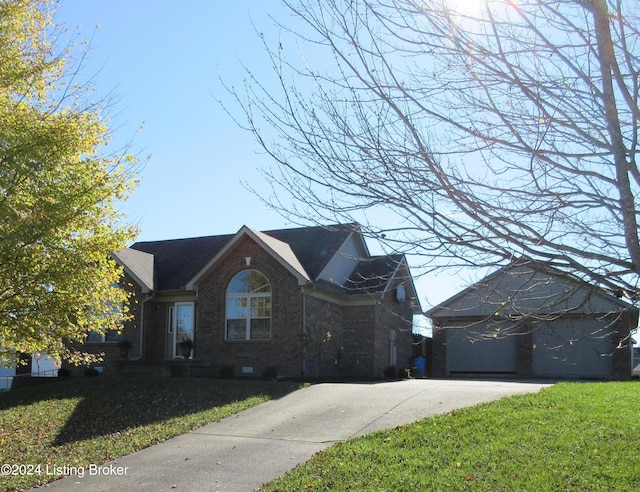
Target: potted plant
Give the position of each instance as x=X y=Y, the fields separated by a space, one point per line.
x=186 y=344
x=124 y=345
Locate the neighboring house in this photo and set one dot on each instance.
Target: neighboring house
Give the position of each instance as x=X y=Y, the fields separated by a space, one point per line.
x=307 y=302
x=6 y=377
x=636 y=361
x=529 y=320
x=36 y=365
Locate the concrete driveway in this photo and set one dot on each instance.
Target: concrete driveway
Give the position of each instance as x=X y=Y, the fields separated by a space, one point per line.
x=242 y=452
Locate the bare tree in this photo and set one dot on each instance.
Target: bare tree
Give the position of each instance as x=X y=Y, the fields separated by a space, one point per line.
x=503 y=131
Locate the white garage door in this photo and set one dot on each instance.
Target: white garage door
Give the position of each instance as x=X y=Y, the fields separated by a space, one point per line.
x=579 y=348
x=472 y=350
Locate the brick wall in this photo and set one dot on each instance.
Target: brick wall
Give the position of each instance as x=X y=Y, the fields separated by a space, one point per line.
x=284 y=350
x=524 y=346
x=621 y=344
x=359 y=341
x=438 y=351
x=323 y=340
x=156 y=324
x=397 y=317
x=353 y=341
x=131 y=328
x=130 y=331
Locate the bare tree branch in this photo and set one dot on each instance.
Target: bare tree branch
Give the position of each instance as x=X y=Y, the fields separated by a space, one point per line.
x=472 y=138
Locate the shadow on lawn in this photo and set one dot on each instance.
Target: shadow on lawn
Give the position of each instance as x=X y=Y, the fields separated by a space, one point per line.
x=108 y=404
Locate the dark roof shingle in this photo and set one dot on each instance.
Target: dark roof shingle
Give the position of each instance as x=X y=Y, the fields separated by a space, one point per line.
x=373 y=274
x=177 y=261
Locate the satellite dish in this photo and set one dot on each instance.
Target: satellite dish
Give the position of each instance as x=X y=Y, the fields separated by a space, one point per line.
x=401 y=293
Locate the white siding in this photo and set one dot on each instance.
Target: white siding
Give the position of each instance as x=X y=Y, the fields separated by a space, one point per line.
x=344 y=261
x=6 y=376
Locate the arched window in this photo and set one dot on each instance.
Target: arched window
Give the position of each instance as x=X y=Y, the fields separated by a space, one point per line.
x=248 y=307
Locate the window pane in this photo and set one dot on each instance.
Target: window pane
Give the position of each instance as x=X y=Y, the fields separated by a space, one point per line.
x=108 y=336
x=236 y=329
x=95 y=336
x=260 y=307
x=184 y=318
x=248 y=307
x=260 y=329
x=113 y=336
x=248 y=282
x=237 y=307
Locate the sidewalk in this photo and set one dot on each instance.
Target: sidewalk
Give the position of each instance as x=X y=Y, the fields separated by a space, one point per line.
x=241 y=452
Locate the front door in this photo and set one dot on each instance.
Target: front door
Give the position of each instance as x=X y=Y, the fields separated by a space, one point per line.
x=182 y=323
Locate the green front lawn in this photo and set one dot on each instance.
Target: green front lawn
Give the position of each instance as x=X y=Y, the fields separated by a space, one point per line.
x=83 y=421
x=569 y=437
x=572 y=436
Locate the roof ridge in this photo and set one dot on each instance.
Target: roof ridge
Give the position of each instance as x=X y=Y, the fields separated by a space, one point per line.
x=338 y=226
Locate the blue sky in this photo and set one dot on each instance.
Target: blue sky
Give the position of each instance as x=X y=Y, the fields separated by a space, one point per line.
x=162 y=61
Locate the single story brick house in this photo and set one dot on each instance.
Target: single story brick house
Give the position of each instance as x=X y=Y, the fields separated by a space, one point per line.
x=531 y=320
x=307 y=302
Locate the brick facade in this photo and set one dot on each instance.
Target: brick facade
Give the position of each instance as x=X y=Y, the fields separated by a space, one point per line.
x=283 y=351
x=355 y=340
x=130 y=331
x=393 y=316
x=317 y=332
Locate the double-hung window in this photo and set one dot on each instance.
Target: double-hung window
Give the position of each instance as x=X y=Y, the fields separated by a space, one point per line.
x=108 y=335
x=248 y=307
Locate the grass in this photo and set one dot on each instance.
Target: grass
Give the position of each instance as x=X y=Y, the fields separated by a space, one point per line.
x=84 y=421
x=569 y=437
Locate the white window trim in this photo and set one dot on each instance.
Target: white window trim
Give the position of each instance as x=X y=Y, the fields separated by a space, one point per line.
x=175 y=352
x=115 y=336
x=248 y=318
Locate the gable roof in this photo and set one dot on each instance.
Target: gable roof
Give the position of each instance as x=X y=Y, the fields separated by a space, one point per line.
x=377 y=274
x=315 y=246
x=373 y=274
x=139 y=265
x=305 y=251
x=178 y=260
x=278 y=249
x=527 y=287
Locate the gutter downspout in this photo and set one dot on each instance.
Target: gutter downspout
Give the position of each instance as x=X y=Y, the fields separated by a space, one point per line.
x=142 y=306
x=304 y=332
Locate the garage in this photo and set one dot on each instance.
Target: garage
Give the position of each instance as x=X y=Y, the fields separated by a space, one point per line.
x=530 y=320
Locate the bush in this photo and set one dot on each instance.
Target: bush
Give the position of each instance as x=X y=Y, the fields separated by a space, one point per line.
x=91 y=372
x=64 y=373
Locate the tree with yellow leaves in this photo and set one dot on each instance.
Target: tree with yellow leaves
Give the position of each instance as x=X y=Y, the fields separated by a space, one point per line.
x=58 y=189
